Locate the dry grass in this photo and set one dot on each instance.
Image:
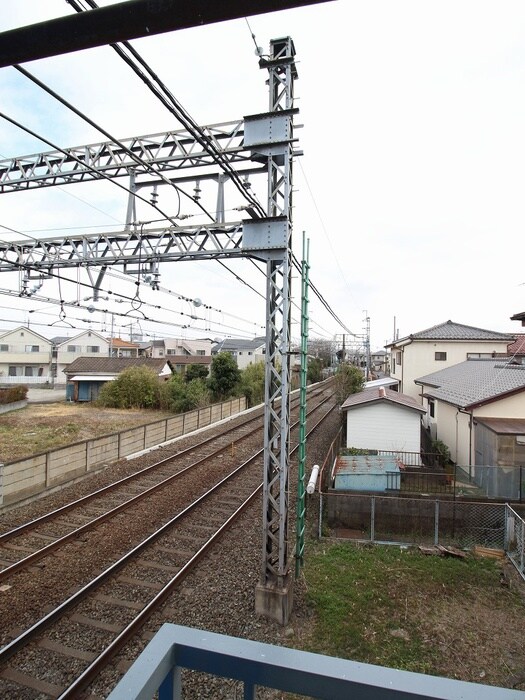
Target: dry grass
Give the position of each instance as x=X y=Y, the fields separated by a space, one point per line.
x=41 y=427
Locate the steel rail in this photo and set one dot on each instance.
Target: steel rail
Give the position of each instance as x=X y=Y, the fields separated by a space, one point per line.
x=23 y=639
x=96 y=666
x=52 y=546
x=32 y=524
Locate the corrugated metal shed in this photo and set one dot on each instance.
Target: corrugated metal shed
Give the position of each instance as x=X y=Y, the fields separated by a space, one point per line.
x=367 y=473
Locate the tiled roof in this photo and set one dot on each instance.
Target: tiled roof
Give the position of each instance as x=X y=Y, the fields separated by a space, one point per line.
x=381 y=394
x=474 y=381
x=238 y=344
x=458 y=331
x=113 y=365
x=517 y=347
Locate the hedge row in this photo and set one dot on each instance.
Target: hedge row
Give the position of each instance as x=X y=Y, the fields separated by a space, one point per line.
x=12 y=394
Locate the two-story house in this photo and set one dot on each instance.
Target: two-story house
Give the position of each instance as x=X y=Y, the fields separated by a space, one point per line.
x=180 y=352
x=245 y=352
x=28 y=357
x=471 y=392
x=439 y=347
x=25 y=356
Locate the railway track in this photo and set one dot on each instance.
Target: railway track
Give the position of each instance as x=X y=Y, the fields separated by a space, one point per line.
x=26 y=544
x=59 y=654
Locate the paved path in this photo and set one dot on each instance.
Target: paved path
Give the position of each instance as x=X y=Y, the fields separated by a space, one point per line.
x=35 y=395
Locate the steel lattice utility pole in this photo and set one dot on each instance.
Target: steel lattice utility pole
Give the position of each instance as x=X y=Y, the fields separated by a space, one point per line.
x=273 y=596
x=301 y=487
x=265 y=139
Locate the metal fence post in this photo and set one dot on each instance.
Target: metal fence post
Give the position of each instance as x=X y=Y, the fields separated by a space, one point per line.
x=320 y=529
x=436 y=523
x=372 y=518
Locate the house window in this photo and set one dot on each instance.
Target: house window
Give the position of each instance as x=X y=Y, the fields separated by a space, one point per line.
x=393 y=365
x=200 y=352
x=74 y=348
x=4 y=348
x=440 y=356
x=32 y=348
x=93 y=348
x=398 y=358
x=431 y=408
x=12 y=371
x=479 y=355
x=28 y=372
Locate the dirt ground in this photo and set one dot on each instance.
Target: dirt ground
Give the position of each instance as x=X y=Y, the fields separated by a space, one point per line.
x=41 y=427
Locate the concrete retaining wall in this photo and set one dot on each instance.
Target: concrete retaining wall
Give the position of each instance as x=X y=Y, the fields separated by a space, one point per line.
x=34 y=475
x=6 y=407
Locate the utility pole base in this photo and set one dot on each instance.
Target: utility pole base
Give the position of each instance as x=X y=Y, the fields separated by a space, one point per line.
x=275 y=602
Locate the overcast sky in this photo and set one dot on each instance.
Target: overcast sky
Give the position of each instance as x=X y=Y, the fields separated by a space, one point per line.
x=410 y=190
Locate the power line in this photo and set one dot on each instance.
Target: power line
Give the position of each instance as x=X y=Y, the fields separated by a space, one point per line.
x=165 y=96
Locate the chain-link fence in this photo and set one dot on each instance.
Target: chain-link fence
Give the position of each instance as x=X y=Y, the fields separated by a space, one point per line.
x=392 y=519
x=515 y=539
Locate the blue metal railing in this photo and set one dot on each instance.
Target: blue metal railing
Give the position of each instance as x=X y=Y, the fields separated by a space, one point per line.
x=158 y=669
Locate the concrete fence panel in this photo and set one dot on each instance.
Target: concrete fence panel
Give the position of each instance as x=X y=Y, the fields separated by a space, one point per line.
x=175 y=427
x=29 y=477
x=191 y=421
x=23 y=478
x=102 y=450
x=131 y=441
x=66 y=463
x=154 y=434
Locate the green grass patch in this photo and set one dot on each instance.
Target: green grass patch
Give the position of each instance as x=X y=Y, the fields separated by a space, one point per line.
x=368 y=600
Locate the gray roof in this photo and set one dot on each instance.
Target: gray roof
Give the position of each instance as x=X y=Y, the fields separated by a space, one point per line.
x=232 y=344
x=456 y=331
x=381 y=394
x=113 y=365
x=475 y=382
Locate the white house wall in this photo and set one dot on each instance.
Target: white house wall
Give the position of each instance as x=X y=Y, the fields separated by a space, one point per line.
x=510 y=407
x=418 y=359
x=452 y=428
x=83 y=344
x=14 y=352
x=383 y=426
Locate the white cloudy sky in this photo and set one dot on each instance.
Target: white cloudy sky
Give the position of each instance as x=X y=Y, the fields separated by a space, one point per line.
x=410 y=190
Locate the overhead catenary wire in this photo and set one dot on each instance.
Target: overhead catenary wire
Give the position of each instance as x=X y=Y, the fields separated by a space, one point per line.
x=164 y=95
x=102 y=175
x=137 y=159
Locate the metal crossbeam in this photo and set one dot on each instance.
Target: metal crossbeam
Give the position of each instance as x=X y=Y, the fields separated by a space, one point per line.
x=167 y=151
x=204 y=242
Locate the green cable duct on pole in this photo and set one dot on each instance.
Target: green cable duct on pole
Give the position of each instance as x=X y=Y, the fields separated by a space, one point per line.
x=301 y=488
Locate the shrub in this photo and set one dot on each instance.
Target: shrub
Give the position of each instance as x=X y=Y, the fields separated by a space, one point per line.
x=135 y=387
x=13 y=394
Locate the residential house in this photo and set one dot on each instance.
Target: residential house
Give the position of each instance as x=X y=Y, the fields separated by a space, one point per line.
x=86 y=344
x=123 y=348
x=385 y=420
x=25 y=356
x=245 y=352
x=86 y=375
x=28 y=357
x=379 y=361
x=441 y=346
x=468 y=394
x=516 y=349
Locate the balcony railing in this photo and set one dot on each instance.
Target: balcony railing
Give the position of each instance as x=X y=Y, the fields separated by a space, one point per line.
x=158 y=670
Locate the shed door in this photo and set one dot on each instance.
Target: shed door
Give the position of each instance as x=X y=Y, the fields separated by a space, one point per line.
x=84 y=393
